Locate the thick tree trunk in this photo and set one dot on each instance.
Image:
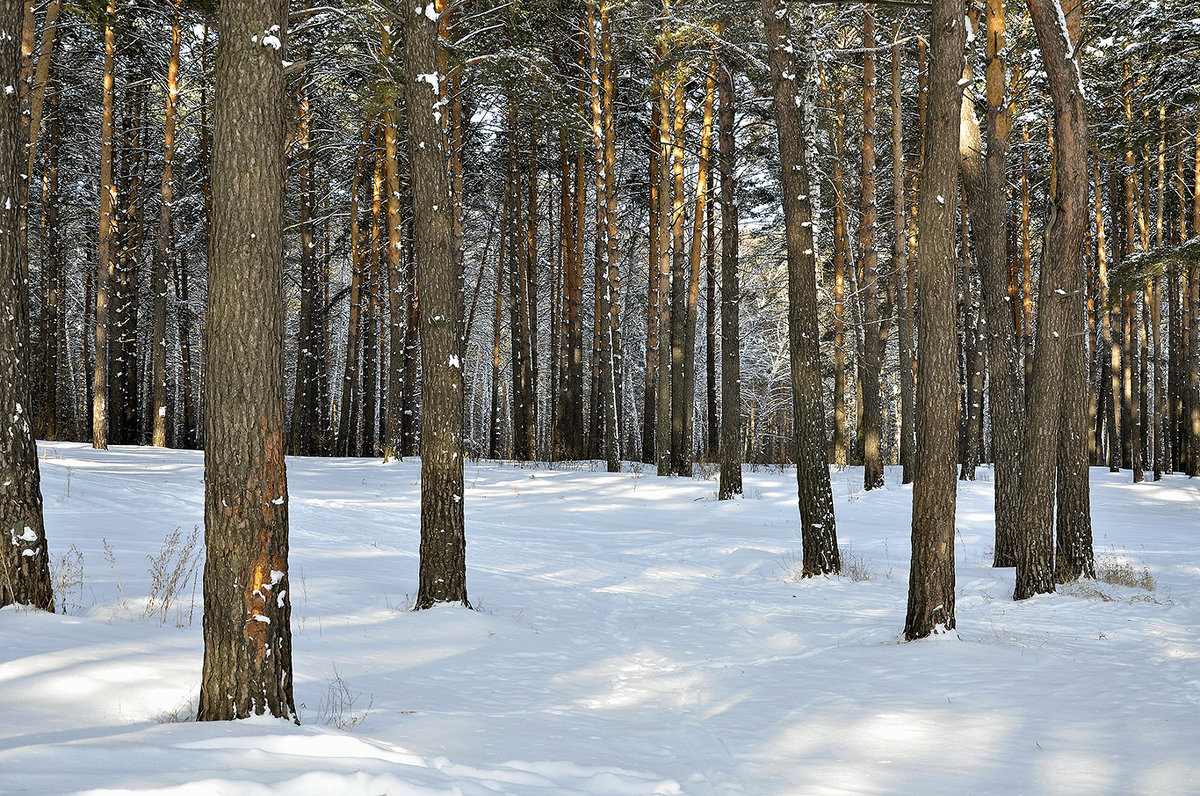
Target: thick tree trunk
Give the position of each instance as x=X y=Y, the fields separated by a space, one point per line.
x=247 y=607
x=817 y=527
x=24 y=558
x=931 y=577
x=443 y=571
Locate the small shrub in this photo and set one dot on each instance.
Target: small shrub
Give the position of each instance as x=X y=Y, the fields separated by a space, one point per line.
x=67 y=576
x=338 y=705
x=1120 y=571
x=854 y=566
x=172 y=570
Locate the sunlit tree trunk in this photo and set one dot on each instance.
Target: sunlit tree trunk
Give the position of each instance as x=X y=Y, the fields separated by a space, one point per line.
x=247 y=596
x=165 y=248
x=106 y=260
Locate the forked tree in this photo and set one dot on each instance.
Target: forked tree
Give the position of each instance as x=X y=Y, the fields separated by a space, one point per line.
x=247 y=606
x=24 y=562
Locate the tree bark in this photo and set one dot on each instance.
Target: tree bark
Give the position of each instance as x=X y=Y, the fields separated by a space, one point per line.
x=931 y=576
x=443 y=571
x=872 y=366
x=1062 y=285
x=25 y=560
x=247 y=607
x=817 y=527
x=164 y=250
x=731 y=361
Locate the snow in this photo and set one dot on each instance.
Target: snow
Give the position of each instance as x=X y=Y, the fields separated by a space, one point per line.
x=633 y=636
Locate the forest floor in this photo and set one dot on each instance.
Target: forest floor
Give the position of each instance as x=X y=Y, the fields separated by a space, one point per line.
x=631 y=636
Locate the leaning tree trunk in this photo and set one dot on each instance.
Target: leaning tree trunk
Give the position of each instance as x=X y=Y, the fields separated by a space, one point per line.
x=817 y=527
x=24 y=560
x=1061 y=284
x=247 y=606
x=443 y=566
x=931 y=576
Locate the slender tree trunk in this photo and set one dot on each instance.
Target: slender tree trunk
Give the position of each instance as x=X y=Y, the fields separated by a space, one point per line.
x=872 y=365
x=817 y=526
x=664 y=438
x=247 y=606
x=699 y=212
x=931 y=578
x=681 y=449
x=106 y=261
x=731 y=361
x=900 y=268
x=164 y=251
x=840 y=251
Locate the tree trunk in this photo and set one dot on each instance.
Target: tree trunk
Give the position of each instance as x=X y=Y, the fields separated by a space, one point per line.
x=106 y=261
x=664 y=437
x=817 y=527
x=900 y=268
x=872 y=365
x=247 y=607
x=699 y=211
x=731 y=361
x=164 y=250
x=443 y=573
x=1062 y=284
x=931 y=577
x=25 y=563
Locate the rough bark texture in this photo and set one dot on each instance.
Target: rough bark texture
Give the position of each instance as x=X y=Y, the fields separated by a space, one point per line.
x=817 y=528
x=247 y=607
x=1074 y=558
x=24 y=560
x=1061 y=285
x=984 y=181
x=164 y=250
x=872 y=365
x=105 y=262
x=443 y=567
x=731 y=361
x=931 y=577
x=900 y=267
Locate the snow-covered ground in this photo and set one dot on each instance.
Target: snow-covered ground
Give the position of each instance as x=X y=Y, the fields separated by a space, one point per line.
x=632 y=636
